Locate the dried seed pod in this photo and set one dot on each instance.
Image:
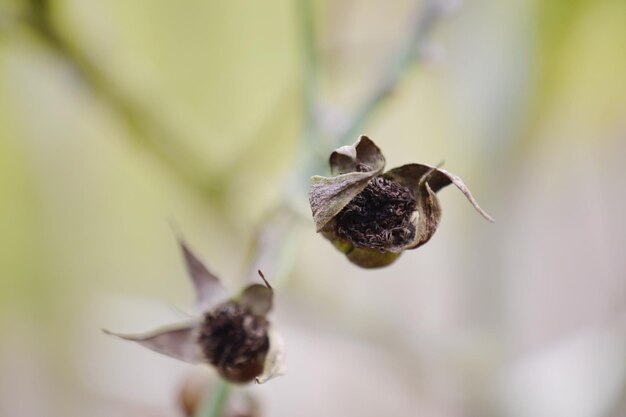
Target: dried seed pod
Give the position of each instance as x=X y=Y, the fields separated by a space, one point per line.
x=234 y=336
x=373 y=216
x=235 y=341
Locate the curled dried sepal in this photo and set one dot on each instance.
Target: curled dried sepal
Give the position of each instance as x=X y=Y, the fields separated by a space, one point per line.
x=180 y=341
x=208 y=288
x=411 y=175
x=258 y=298
x=275 y=359
x=373 y=216
x=363 y=156
x=353 y=166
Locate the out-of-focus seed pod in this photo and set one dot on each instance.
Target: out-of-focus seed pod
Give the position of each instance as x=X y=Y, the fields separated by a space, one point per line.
x=233 y=335
x=235 y=341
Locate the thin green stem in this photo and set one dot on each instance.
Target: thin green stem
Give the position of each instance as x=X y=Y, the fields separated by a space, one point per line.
x=214 y=406
x=309 y=69
x=270 y=246
x=309 y=152
x=423 y=23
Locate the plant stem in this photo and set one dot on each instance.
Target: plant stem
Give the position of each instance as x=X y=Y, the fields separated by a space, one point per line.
x=214 y=407
x=425 y=18
x=309 y=69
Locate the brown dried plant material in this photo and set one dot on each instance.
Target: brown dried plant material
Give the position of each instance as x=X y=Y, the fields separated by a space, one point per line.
x=373 y=216
x=235 y=341
x=233 y=335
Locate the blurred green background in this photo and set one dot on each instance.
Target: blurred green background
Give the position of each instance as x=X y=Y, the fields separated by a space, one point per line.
x=117 y=117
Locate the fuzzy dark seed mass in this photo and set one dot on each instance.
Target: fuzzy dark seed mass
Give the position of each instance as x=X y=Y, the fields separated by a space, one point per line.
x=379 y=217
x=235 y=341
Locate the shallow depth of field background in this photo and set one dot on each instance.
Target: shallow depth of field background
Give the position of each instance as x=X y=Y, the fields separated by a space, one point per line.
x=196 y=114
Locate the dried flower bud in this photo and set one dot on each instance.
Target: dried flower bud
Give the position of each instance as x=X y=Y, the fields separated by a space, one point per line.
x=234 y=336
x=373 y=216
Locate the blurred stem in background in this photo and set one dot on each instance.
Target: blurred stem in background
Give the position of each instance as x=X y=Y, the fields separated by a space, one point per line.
x=310 y=68
x=422 y=23
x=216 y=400
x=160 y=140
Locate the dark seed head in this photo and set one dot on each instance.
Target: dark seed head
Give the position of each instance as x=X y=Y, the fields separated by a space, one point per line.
x=379 y=217
x=235 y=341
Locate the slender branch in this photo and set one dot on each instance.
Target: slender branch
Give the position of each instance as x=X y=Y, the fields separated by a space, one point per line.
x=277 y=233
x=309 y=153
x=214 y=406
x=309 y=68
x=422 y=24
x=148 y=131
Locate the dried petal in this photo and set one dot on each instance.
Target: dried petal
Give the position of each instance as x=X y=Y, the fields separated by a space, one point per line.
x=363 y=156
x=458 y=182
x=209 y=290
x=180 y=342
x=352 y=168
x=275 y=360
x=429 y=215
x=257 y=298
x=328 y=196
x=411 y=175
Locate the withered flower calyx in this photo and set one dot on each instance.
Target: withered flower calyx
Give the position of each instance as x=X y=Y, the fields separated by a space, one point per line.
x=373 y=216
x=233 y=334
